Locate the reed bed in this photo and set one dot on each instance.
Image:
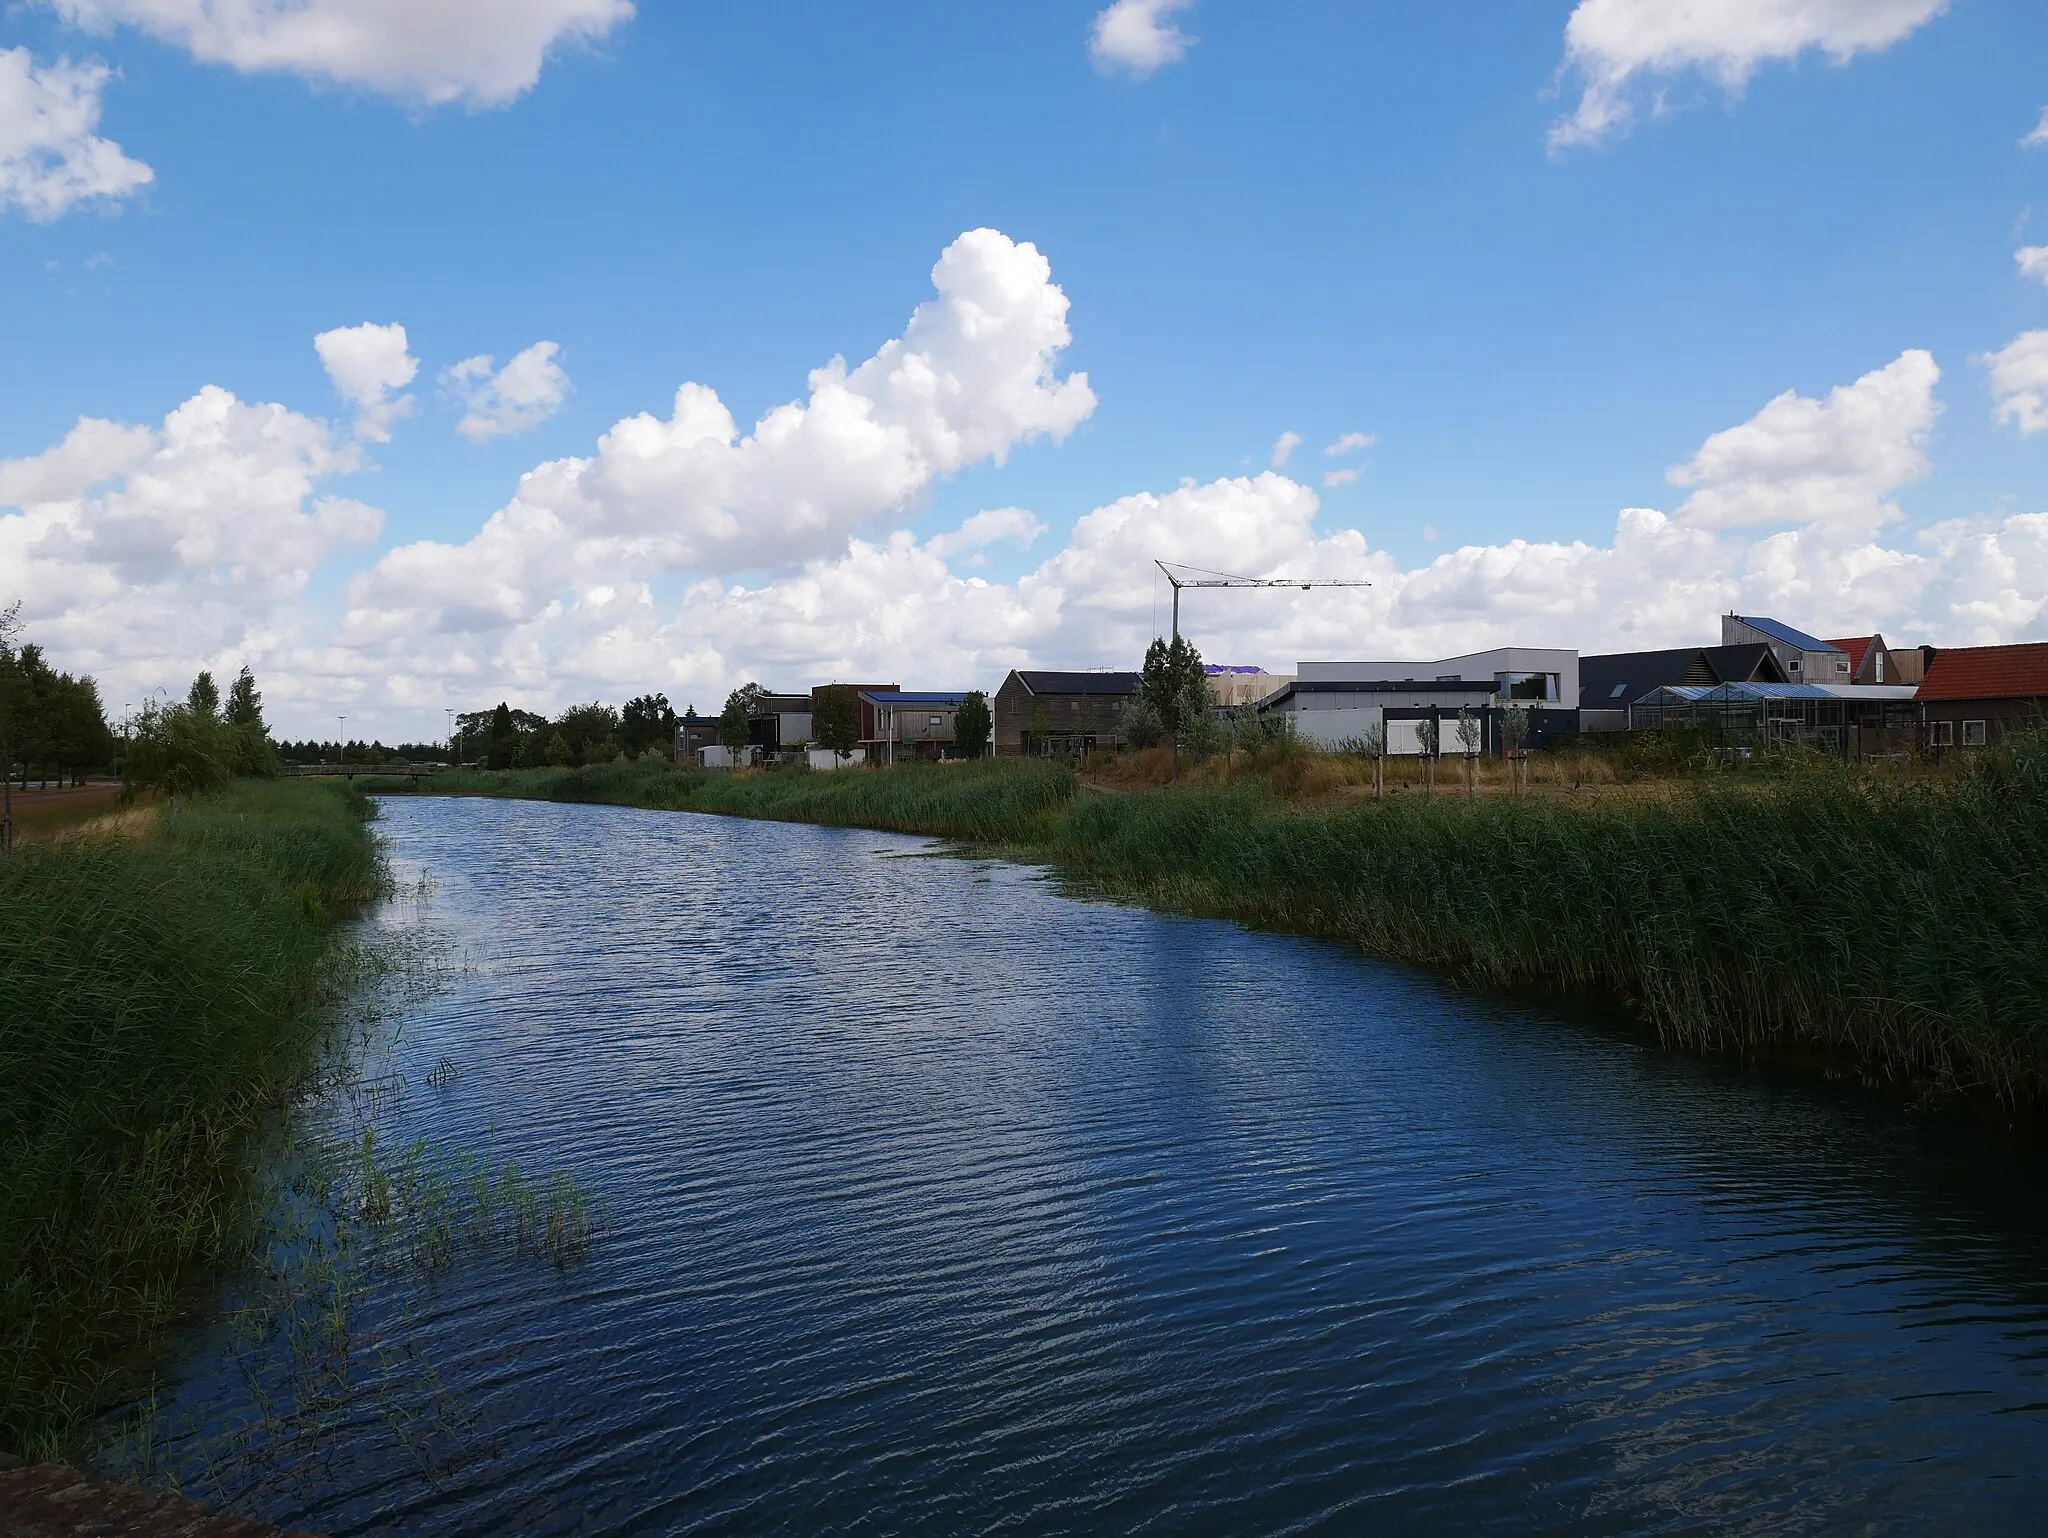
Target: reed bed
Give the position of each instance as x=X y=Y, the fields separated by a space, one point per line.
x=164 y=995
x=1895 y=923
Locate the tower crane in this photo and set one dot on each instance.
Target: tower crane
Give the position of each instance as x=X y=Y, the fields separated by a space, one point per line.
x=1205 y=578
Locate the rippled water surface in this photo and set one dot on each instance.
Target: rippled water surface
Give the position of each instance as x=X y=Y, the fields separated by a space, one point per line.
x=941 y=1202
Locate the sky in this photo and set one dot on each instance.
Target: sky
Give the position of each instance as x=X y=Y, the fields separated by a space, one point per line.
x=420 y=354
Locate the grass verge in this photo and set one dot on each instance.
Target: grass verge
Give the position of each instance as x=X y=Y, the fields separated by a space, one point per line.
x=163 y=997
x=1897 y=923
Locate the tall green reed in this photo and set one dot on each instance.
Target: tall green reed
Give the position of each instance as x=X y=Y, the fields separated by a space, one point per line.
x=163 y=996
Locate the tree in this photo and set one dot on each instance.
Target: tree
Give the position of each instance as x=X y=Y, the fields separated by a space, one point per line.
x=1176 y=688
x=504 y=741
x=735 y=722
x=835 y=720
x=559 y=754
x=245 y=705
x=646 y=721
x=1142 y=726
x=971 y=724
x=203 y=699
x=1514 y=734
x=10 y=627
x=589 y=731
x=1468 y=740
x=176 y=749
x=1429 y=737
x=1040 y=728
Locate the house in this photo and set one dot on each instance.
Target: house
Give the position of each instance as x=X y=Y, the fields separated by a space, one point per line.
x=1613 y=681
x=779 y=723
x=1234 y=685
x=1065 y=713
x=1870 y=661
x=1805 y=659
x=693 y=732
x=1332 y=703
x=1975 y=695
x=911 y=726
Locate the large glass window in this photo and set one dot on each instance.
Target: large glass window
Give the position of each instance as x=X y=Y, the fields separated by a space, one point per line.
x=1526 y=686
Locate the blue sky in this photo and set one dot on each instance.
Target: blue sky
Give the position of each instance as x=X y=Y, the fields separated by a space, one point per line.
x=1320 y=219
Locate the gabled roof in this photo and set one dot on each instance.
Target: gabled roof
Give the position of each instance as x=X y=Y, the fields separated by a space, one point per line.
x=1754 y=663
x=1785 y=633
x=1858 y=647
x=1987 y=673
x=1078 y=683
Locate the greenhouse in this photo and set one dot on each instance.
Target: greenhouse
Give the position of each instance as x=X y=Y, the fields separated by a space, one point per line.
x=1856 y=719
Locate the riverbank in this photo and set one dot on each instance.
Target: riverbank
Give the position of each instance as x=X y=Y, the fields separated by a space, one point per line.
x=1895 y=926
x=164 y=995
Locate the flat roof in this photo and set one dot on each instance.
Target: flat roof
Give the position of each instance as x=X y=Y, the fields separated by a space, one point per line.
x=880 y=697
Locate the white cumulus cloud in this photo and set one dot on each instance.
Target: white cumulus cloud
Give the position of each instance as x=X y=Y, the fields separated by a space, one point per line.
x=2019 y=381
x=971 y=377
x=1138 y=36
x=2032 y=262
x=431 y=52
x=51 y=157
x=1284 y=447
x=1829 y=463
x=1611 y=45
x=145 y=553
x=514 y=399
x=367 y=363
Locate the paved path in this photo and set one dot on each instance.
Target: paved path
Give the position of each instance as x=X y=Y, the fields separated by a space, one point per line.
x=43 y=1500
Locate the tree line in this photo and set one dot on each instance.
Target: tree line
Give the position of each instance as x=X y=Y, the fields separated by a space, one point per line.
x=52 y=724
x=596 y=733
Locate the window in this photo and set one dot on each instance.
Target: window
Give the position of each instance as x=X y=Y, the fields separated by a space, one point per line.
x=1529 y=686
x=1878 y=663
x=1791 y=664
x=1941 y=734
x=935 y=721
x=1973 y=734
x=1841 y=664
x=1615 y=693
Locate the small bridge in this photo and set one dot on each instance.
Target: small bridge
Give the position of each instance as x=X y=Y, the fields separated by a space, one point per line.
x=413 y=772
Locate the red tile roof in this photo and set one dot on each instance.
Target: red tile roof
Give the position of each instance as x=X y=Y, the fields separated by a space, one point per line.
x=1855 y=647
x=1987 y=673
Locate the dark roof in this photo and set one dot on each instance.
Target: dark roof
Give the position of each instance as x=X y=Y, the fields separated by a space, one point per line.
x=1778 y=631
x=1078 y=683
x=1987 y=673
x=1621 y=678
x=1754 y=663
x=886 y=697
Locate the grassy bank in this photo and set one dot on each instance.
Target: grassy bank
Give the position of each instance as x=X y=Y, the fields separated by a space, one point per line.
x=1899 y=923
x=163 y=995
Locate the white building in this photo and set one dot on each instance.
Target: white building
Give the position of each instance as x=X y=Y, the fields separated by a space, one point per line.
x=1331 y=703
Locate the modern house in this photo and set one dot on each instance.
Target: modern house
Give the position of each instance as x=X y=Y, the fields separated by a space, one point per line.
x=1974 y=695
x=693 y=732
x=909 y=726
x=1805 y=659
x=1332 y=703
x=1613 y=681
x=1062 y=713
x=779 y=723
x=1239 y=685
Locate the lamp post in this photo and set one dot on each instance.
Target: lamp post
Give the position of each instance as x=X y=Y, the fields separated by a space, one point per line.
x=449 y=712
x=344 y=739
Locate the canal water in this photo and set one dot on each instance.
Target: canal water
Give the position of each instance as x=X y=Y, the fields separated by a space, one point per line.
x=941 y=1202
